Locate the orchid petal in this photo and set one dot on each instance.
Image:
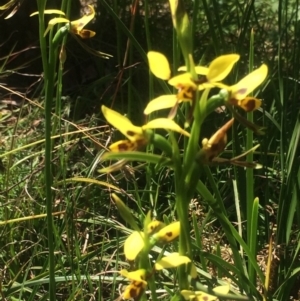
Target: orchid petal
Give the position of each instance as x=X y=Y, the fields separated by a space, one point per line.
x=159 y=65
x=172 y=261
x=138 y=275
x=221 y=66
x=80 y=23
x=182 y=80
x=53 y=22
x=123 y=124
x=127 y=145
x=245 y=86
x=154 y=226
x=165 y=123
x=168 y=233
x=50 y=11
x=160 y=103
x=133 y=245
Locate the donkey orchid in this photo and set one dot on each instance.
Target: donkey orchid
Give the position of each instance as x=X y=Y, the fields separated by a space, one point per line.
x=138 y=136
x=217 y=71
x=137 y=285
x=76 y=27
x=238 y=92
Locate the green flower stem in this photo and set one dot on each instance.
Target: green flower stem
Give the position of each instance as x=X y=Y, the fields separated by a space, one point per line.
x=144 y=263
x=193 y=144
x=49 y=85
x=252 y=242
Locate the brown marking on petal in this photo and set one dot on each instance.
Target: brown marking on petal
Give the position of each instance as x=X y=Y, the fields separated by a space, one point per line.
x=201 y=80
x=141 y=142
x=169 y=234
x=123 y=147
x=85 y=33
x=242 y=91
x=205 y=298
x=248 y=105
x=133 y=292
x=139 y=284
x=130 y=133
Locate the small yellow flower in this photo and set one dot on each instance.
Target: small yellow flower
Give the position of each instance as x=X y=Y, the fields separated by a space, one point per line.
x=239 y=91
x=76 y=26
x=137 y=286
x=137 y=136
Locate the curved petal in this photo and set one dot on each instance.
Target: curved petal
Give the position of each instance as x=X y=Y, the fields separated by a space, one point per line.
x=168 y=233
x=133 y=245
x=182 y=80
x=246 y=85
x=80 y=23
x=138 y=275
x=172 y=261
x=160 y=103
x=123 y=124
x=50 y=11
x=123 y=146
x=154 y=226
x=221 y=66
x=159 y=65
x=53 y=22
x=165 y=123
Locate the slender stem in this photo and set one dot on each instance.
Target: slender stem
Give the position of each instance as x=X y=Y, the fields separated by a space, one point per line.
x=249 y=176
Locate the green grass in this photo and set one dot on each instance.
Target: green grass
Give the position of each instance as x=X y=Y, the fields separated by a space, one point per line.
x=61 y=235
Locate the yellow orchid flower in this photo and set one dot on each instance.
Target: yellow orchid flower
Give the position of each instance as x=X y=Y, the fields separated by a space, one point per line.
x=137 y=136
x=137 y=286
x=238 y=92
x=76 y=26
x=217 y=71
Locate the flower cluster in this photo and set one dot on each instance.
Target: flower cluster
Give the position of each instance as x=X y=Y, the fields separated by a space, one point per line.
x=210 y=77
x=187 y=86
x=156 y=232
